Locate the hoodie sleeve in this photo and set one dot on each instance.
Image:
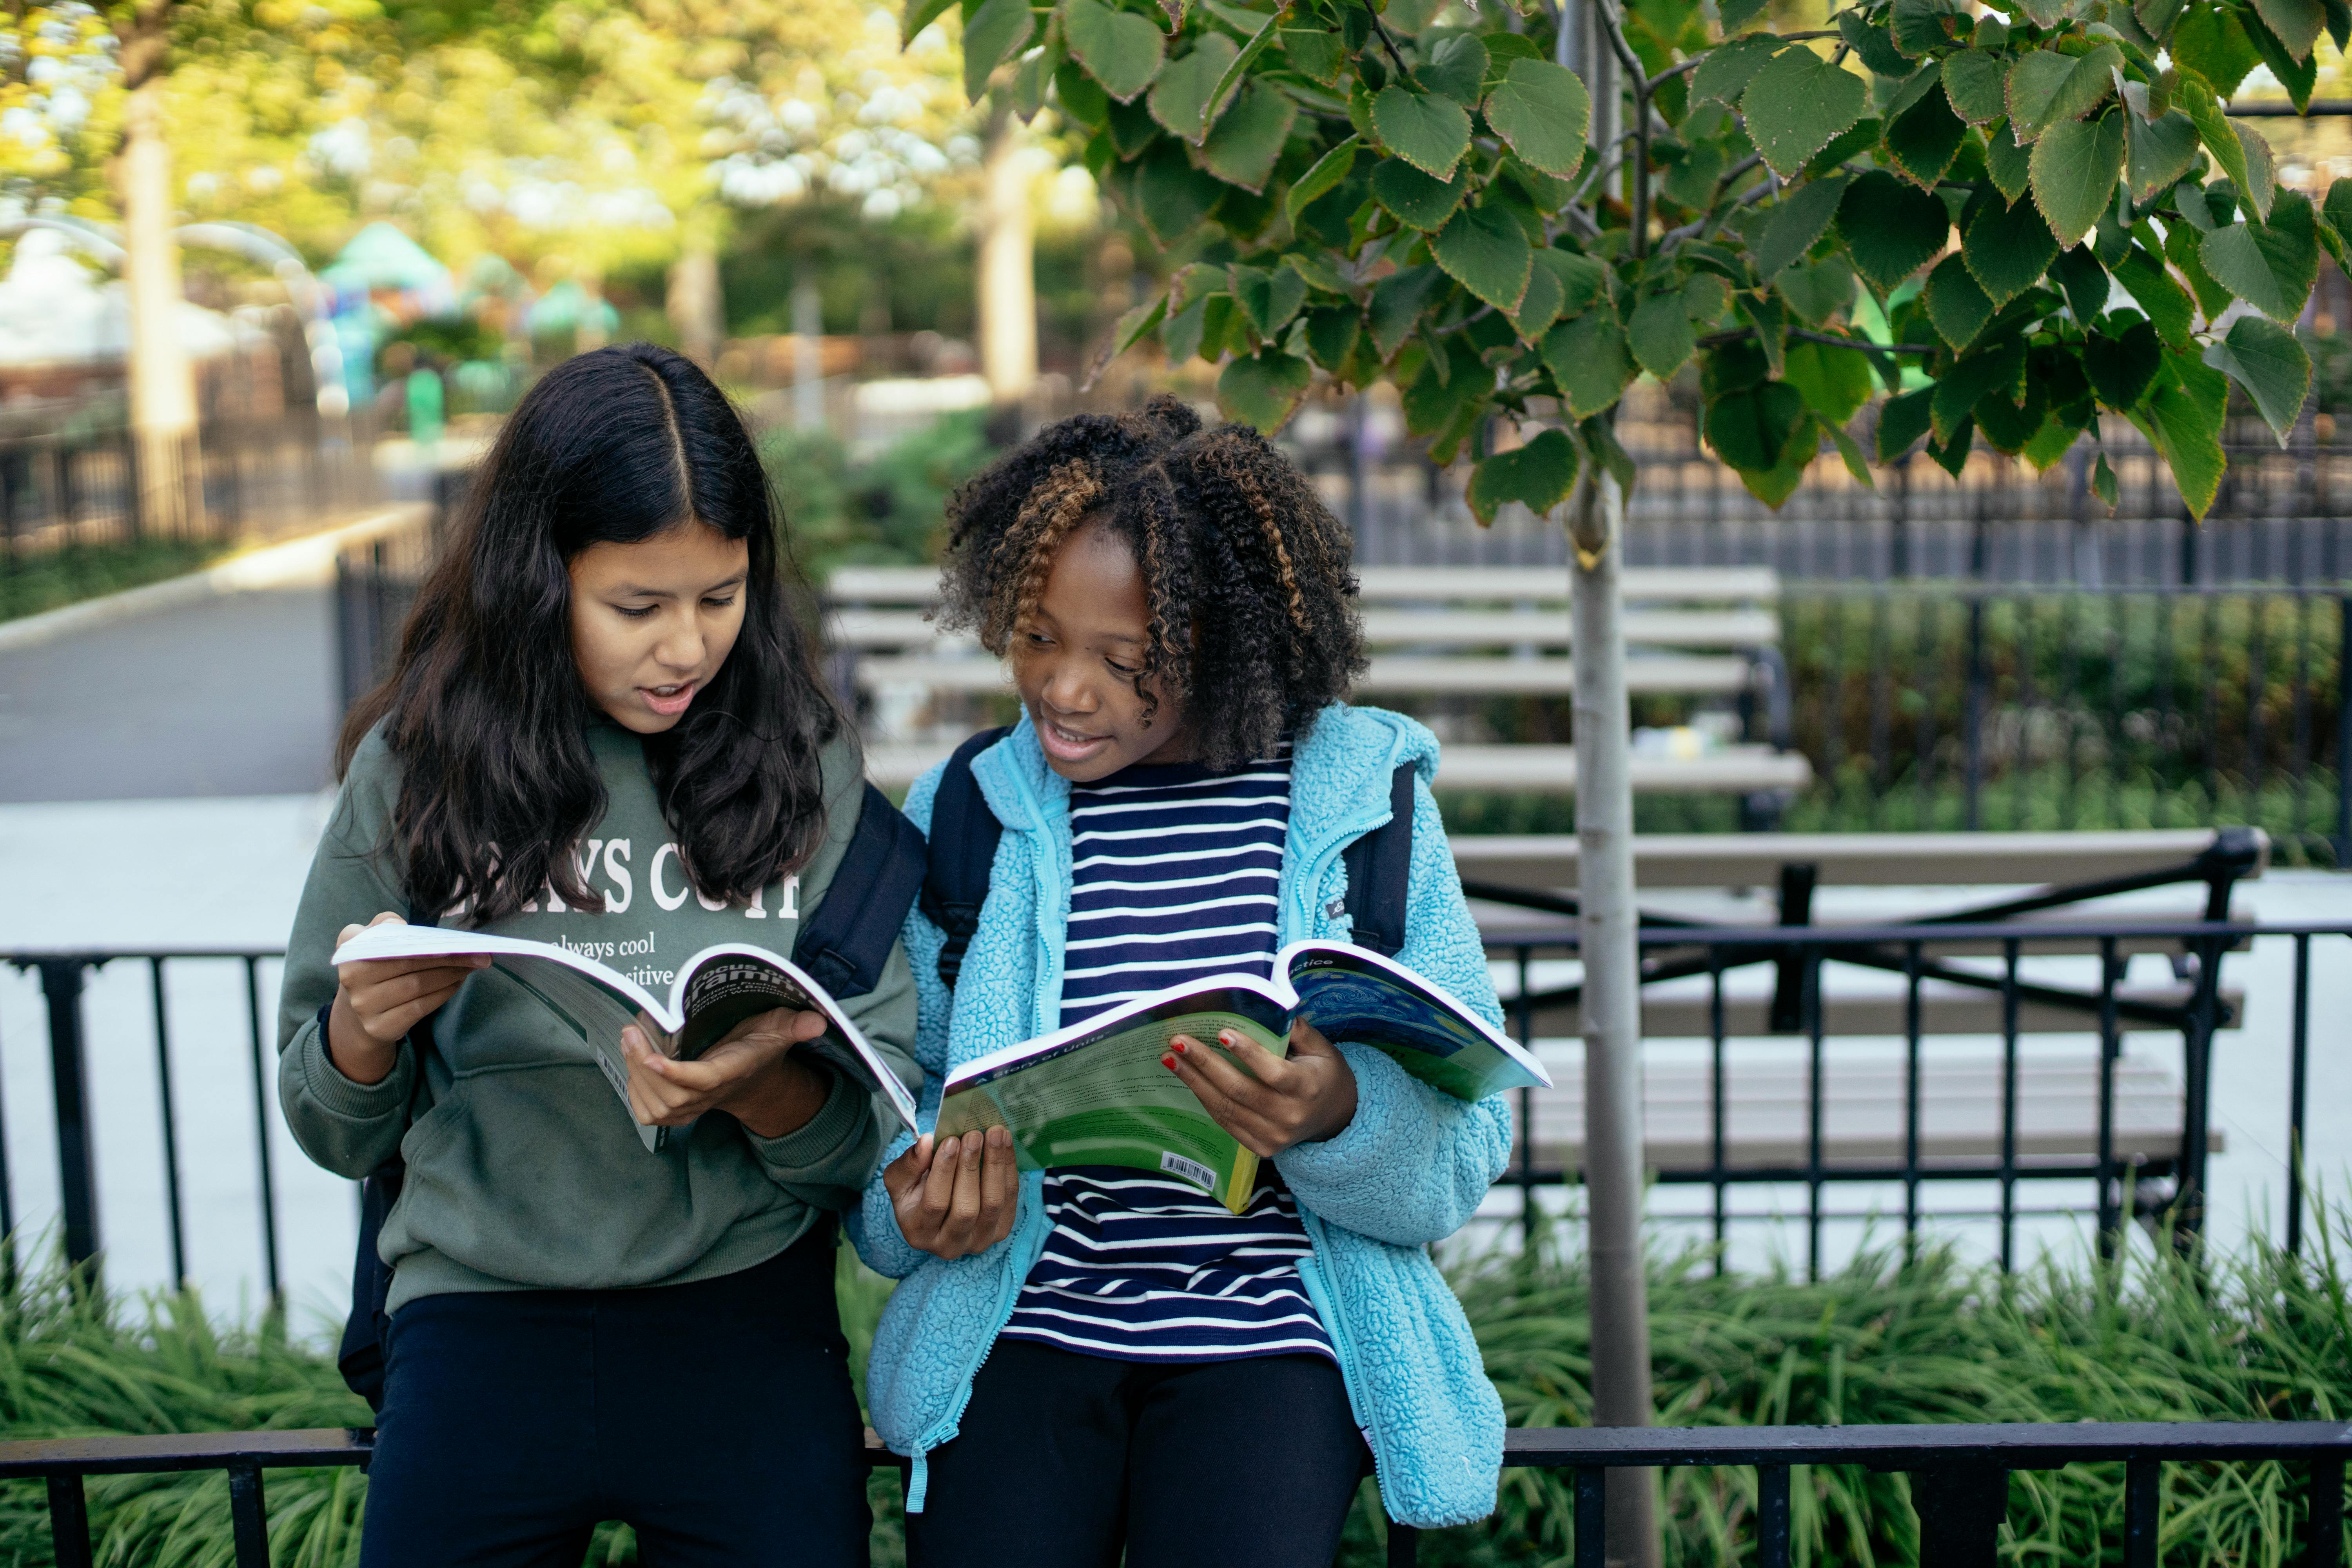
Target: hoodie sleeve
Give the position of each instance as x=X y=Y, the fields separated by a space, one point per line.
x=873 y=1222
x=1415 y=1162
x=349 y=1128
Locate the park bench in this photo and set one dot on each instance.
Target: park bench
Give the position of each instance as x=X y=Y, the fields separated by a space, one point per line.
x=1721 y=1117
x=1452 y=634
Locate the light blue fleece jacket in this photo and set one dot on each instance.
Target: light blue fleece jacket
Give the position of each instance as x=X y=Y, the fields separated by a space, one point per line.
x=1406 y=1172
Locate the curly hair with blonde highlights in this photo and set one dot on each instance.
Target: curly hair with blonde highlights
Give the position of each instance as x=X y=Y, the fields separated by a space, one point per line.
x=1254 y=627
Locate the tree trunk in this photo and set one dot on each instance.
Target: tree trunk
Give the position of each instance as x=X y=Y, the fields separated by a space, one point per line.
x=1612 y=1010
x=696 y=305
x=169 y=475
x=1007 y=269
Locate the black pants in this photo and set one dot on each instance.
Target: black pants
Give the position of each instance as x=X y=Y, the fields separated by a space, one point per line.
x=716 y=1418
x=1061 y=1460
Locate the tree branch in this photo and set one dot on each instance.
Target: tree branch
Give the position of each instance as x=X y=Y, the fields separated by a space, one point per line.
x=1607 y=11
x=1390 y=44
x=1834 y=340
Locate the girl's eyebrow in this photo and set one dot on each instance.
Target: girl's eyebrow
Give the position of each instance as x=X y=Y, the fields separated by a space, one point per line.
x=632 y=591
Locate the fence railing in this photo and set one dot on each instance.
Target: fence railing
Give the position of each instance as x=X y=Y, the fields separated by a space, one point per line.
x=2113 y=1170
x=1958 y=1476
x=1968 y=706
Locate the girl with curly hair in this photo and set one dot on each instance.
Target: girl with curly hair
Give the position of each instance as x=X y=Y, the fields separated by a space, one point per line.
x=1096 y=1364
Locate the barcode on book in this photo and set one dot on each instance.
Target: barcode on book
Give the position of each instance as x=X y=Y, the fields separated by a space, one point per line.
x=1192 y=1171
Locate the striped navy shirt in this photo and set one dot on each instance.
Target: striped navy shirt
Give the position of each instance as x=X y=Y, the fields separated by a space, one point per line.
x=1175 y=875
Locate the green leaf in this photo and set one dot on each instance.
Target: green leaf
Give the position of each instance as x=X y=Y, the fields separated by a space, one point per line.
x=2296 y=23
x=1180 y=97
x=1817 y=291
x=1705 y=298
x=2157 y=17
x=1134 y=324
x=2007 y=427
x=1976 y=81
x=1184 y=330
x=1587 y=362
x=1081 y=96
x=2166 y=302
x=2122 y=367
x=1263 y=389
x=2103 y=485
x=1119 y=49
x=919 y=14
x=1891 y=230
x=1268 y=299
x=1314 y=52
x=1775 y=484
x=1537 y=476
x=2208 y=40
x=2084 y=283
x=2265 y=359
x=1451 y=380
x=2181 y=248
x=1502 y=48
x=1873 y=44
x=1542 y=303
x=1997 y=369
x=1727 y=69
x=1172 y=197
x=2075 y=166
x=1487 y=253
x=1835 y=382
x=2192 y=446
x=1457 y=68
x=2335 y=221
x=1428 y=132
x=2229 y=150
x=1900 y=422
x=1323 y=178
x=2009 y=165
x=1133 y=129
x=1584 y=280
x=1660 y=334
x=1417 y=200
x=1229 y=83
x=1318 y=272
x=1751 y=429
x=1248 y=137
x=2297 y=76
x=2271 y=266
x=1736 y=12
x=1332 y=336
x=1802 y=216
x=2007 y=248
x=2046 y=87
x=1921 y=26
x=1957 y=307
x=1796 y=103
x=1543 y=111
x=1849 y=451
x=1398 y=301
x=1924 y=138
x=993 y=34
x=2161 y=150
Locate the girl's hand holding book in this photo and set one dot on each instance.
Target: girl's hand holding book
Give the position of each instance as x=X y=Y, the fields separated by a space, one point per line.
x=1305 y=1099
x=956 y=1197
x=378 y=1002
x=750 y=1074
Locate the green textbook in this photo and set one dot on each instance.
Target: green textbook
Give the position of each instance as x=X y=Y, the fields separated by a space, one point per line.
x=1096 y=1094
x=715 y=990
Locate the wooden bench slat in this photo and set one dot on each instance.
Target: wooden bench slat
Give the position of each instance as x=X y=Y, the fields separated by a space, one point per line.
x=1473 y=675
x=1549 y=861
x=1942 y=1011
x=1528 y=769
x=1767 y=1109
x=1508 y=584
x=911 y=629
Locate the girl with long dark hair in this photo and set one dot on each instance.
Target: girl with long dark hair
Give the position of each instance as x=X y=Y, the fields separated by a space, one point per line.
x=605 y=728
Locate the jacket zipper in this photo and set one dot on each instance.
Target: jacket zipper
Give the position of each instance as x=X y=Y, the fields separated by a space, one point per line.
x=1008 y=1296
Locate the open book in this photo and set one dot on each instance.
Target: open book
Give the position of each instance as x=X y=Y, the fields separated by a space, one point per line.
x=715 y=990
x=1095 y=1093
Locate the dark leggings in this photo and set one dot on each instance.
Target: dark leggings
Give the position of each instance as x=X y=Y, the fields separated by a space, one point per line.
x=716 y=1418
x=1064 y=1459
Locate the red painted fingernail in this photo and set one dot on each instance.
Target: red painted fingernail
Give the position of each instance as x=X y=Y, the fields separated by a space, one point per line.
x=1180 y=1047
x=1167 y=1062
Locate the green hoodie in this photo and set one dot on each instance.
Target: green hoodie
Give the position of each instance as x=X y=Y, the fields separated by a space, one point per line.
x=524 y=1169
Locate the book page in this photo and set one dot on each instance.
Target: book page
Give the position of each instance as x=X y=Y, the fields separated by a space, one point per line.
x=722 y=987
x=1102 y=1098
x=1353 y=995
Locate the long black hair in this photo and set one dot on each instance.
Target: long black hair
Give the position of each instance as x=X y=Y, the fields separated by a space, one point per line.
x=486 y=710
x=1254 y=627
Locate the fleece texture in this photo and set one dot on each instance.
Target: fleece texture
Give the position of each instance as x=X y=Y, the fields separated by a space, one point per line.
x=1407 y=1171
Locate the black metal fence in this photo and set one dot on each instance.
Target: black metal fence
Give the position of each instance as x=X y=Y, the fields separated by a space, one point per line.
x=1958 y=1476
x=2108 y=1170
x=1969 y=706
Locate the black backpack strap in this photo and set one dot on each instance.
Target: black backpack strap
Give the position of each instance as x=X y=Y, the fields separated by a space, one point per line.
x=964 y=838
x=1379 y=867
x=845 y=944
x=360 y=1357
